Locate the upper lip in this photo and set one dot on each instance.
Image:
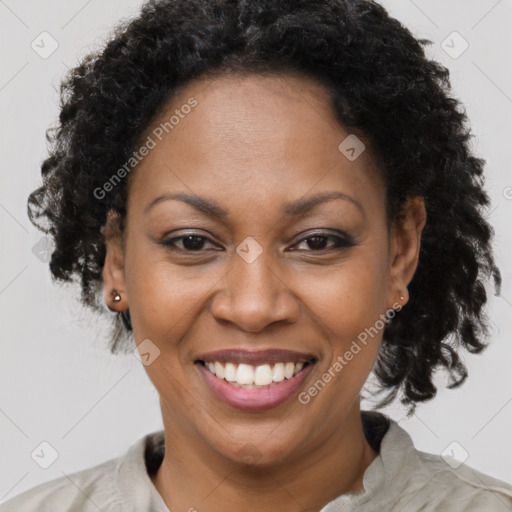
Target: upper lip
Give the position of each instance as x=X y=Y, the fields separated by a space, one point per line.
x=256 y=357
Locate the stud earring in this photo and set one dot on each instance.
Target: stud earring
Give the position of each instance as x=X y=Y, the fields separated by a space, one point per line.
x=115 y=295
x=401 y=298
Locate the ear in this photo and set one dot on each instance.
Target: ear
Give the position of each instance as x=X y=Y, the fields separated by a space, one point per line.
x=113 y=269
x=405 y=249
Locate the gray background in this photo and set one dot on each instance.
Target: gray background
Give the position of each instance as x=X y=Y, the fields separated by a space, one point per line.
x=59 y=384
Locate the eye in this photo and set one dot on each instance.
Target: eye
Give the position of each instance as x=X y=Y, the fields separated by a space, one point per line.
x=319 y=241
x=190 y=243
x=316 y=242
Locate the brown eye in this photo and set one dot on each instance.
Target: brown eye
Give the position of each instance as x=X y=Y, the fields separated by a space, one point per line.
x=320 y=242
x=191 y=243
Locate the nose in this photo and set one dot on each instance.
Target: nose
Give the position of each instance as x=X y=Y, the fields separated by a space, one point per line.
x=255 y=295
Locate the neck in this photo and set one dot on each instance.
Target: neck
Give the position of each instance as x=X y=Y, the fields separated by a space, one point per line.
x=192 y=475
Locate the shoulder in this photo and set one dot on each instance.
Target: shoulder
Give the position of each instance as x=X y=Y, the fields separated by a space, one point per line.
x=430 y=482
x=86 y=490
x=462 y=485
x=112 y=486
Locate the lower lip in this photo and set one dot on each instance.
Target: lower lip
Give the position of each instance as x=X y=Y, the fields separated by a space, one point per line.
x=254 y=399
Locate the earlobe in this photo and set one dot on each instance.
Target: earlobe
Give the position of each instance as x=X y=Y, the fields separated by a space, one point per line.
x=113 y=269
x=405 y=249
x=115 y=298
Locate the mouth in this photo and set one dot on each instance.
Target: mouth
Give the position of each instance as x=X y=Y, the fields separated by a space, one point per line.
x=252 y=380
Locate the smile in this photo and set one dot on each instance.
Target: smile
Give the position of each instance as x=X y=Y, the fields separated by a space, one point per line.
x=254 y=381
x=250 y=377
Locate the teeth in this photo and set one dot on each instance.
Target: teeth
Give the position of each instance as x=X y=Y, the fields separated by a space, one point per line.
x=289 y=368
x=263 y=375
x=278 y=372
x=219 y=370
x=229 y=372
x=249 y=376
x=245 y=374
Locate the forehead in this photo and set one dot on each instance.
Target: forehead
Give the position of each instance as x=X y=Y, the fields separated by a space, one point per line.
x=251 y=139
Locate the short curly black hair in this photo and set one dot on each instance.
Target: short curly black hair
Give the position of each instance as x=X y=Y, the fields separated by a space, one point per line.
x=382 y=88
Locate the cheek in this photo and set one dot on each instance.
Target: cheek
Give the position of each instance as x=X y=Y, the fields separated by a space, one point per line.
x=351 y=296
x=163 y=299
x=349 y=307
x=167 y=301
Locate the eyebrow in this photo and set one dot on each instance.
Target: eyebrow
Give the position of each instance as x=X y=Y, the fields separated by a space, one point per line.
x=292 y=209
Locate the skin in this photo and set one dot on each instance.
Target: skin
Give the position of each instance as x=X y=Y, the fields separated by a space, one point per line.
x=252 y=144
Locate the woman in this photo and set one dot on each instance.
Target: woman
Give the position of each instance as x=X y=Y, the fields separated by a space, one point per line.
x=277 y=198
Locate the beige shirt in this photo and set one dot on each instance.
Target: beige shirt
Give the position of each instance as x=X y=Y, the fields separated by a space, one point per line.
x=400 y=479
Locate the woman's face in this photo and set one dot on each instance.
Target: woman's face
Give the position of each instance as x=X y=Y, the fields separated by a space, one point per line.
x=273 y=272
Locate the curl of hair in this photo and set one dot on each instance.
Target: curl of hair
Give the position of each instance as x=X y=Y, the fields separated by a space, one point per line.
x=383 y=88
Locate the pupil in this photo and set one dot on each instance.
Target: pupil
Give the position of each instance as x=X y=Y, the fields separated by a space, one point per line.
x=317 y=242
x=199 y=242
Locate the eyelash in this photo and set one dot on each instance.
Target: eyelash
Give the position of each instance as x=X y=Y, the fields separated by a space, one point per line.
x=341 y=242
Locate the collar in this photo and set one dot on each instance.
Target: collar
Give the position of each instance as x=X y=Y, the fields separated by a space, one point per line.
x=384 y=477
